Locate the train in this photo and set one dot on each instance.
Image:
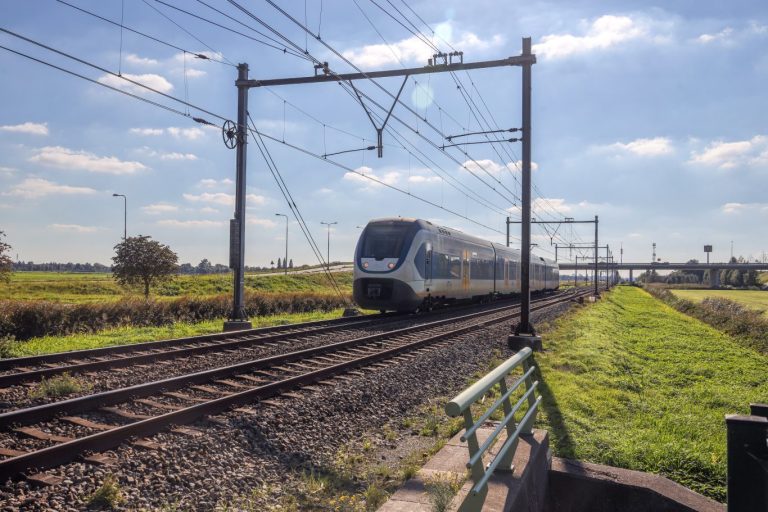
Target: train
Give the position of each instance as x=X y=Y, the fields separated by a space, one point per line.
x=406 y=264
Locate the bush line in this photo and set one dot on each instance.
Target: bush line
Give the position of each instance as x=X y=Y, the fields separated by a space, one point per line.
x=746 y=325
x=23 y=320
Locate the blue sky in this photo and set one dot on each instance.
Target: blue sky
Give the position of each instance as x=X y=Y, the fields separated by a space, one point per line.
x=651 y=116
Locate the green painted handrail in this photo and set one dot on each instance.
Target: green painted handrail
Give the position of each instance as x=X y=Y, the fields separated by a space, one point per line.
x=461 y=406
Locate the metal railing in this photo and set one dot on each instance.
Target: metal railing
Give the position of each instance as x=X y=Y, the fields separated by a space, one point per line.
x=461 y=405
x=748 y=460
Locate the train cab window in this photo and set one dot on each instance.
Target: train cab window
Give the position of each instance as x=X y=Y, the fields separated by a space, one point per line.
x=384 y=241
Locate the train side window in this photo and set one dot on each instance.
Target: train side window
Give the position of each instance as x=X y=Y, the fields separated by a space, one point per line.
x=454 y=268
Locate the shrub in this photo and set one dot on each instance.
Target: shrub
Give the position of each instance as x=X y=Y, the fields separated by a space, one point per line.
x=28 y=319
x=108 y=495
x=60 y=385
x=747 y=325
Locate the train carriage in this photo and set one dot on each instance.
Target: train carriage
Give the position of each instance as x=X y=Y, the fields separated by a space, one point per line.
x=407 y=264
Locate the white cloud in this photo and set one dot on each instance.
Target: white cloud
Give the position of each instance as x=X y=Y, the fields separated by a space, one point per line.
x=657 y=146
x=185 y=133
x=208 y=209
x=603 y=33
x=147 y=131
x=737 y=208
x=74 y=228
x=30 y=128
x=178 y=156
x=195 y=73
x=550 y=205
x=359 y=177
x=424 y=179
x=265 y=223
x=723 y=35
x=158 y=208
x=7 y=171
x=190 y=223
x=64 y=158
x=134 y=59
x=152 y=80
x=728 y=155
x=212 y=183
x=482 y=166
x=224 y=199
x=37 y=187
x=635 y=235
x=414 y=50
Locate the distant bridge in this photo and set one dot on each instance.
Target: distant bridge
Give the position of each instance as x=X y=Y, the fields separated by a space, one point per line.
x=714 y=277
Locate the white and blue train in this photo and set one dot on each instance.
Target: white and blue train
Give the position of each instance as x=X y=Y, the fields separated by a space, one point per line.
x=408 y=264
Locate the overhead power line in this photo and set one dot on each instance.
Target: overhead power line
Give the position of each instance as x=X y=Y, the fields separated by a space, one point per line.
x=153 y=38
x=378 y=85
x=104 y=70
x=281 y=49
x=375 y=180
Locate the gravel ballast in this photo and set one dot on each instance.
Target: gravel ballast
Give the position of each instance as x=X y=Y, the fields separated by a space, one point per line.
x=239 y=452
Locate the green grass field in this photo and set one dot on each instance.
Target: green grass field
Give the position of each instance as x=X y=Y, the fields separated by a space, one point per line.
x=80 y=288
x=753 y=299
x=129 y=335
x=631 y=382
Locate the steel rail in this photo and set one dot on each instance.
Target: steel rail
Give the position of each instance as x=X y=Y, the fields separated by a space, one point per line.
x=10 y=363
x=80 y=404
x=203 y=344
x=64 y=452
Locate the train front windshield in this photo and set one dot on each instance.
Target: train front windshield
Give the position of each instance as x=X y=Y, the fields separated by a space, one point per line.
x=384 y=240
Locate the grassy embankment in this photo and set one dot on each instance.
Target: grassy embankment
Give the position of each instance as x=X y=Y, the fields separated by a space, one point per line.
x=631 y=382
x=753 y=299
x=129 y=335
x=76 y=288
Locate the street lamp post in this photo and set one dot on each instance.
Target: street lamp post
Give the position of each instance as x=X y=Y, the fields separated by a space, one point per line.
x=125 y=214
x=285 y=262
x=328 y=253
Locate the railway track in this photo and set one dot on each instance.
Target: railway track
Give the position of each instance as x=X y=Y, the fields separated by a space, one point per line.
x=15 y=371
x=48 y=435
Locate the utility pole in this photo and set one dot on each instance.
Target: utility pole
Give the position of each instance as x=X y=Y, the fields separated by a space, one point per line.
x=238 y=319
x=285 y=262
x=596 y=292
x=576 y=273
x=508 y=231
x=125 y=215
x=328 y=257
x=525 y=327
x=653 y=260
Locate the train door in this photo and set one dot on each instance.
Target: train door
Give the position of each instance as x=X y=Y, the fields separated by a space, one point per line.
x=428 y=266
x=465 y=271
x=506 y=275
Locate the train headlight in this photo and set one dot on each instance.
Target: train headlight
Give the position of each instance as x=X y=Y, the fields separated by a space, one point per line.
x=365 y=265
x=390 y=266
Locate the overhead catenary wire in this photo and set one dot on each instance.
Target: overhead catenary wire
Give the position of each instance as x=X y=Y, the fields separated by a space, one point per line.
x=375 y=180
x=135 y=96
x=285 y=191
x=514 y=158
x=378 y=85
x=193 y=36
x=401 y=140
x=137 y=32
x=281 y=49
x=105 y=70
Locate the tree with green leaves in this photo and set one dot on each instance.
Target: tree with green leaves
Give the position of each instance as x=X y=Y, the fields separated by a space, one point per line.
x=141 y=260
x=6 y=263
